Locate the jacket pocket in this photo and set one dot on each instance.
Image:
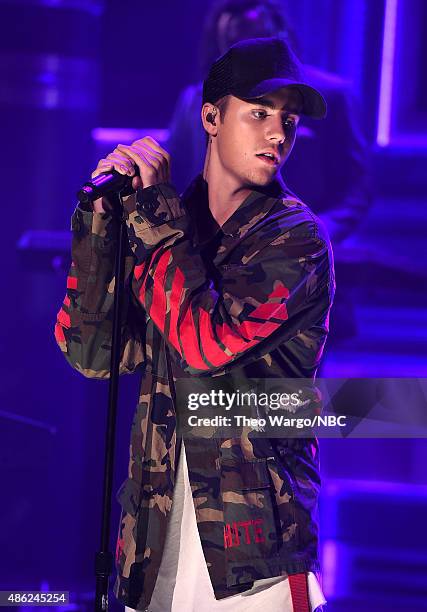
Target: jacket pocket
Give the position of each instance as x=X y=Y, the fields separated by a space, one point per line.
x=250 y=516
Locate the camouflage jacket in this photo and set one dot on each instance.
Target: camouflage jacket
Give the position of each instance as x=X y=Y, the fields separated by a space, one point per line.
x=252 y=296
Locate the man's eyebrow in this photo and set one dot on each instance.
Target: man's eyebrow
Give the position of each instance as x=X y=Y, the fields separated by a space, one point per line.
x=271 y=104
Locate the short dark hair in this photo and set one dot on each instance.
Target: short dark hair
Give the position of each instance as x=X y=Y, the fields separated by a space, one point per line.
x=222 y=105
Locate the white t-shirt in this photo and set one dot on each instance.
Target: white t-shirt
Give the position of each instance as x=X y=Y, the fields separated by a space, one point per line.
x=183 y=583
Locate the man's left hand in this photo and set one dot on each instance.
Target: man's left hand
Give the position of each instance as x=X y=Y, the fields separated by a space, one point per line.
x=152 y=160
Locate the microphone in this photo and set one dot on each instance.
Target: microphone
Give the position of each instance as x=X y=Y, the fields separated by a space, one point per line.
x=106 y=182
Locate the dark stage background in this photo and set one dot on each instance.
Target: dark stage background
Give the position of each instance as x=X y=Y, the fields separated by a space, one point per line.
x=72 y=73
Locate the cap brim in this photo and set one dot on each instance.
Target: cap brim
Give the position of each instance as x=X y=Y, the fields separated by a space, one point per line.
x=314 y=104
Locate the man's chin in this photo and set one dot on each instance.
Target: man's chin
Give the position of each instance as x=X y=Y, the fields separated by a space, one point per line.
x=262 y=179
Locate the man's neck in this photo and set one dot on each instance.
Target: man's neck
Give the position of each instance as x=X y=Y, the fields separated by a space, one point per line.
x=225 y=197
x=225 y=194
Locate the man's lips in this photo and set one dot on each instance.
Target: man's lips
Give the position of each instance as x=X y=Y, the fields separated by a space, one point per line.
x=269 y=158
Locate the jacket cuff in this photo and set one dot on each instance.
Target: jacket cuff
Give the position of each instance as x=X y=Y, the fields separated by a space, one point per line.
x=81 y=219
x=86 y=223
x=154 y=206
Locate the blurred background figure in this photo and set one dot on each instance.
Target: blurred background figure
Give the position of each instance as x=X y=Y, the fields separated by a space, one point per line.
x=331 y=152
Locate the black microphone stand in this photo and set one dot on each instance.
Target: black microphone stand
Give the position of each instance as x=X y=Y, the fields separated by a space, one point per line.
x=104 y=557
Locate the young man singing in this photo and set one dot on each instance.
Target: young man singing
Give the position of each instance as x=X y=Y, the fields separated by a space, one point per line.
x=235 y=275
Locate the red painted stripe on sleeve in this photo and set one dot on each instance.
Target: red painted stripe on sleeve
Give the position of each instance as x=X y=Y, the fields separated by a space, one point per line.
x=71 y=282
x=138 y=270
x=64 y=318
x=211 y=349
x=279 y=291
x=231 y=340
x=59 y=333
x=174 y=301
x=67 y=301
x=158 y=304
x=141 y=291
x=270 y=310
x=190 y=339
x=250 y=329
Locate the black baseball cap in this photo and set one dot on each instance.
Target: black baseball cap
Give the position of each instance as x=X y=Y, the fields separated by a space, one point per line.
x=256 y=66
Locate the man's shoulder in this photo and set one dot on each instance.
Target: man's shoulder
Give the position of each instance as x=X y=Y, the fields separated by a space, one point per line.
x=295 y=217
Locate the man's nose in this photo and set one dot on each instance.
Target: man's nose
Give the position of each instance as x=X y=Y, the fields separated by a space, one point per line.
x=277 y=131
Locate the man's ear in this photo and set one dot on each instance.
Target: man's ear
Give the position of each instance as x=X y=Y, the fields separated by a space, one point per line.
x=209 y=113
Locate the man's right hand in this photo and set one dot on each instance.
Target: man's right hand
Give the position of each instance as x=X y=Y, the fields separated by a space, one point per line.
x=152 y=160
